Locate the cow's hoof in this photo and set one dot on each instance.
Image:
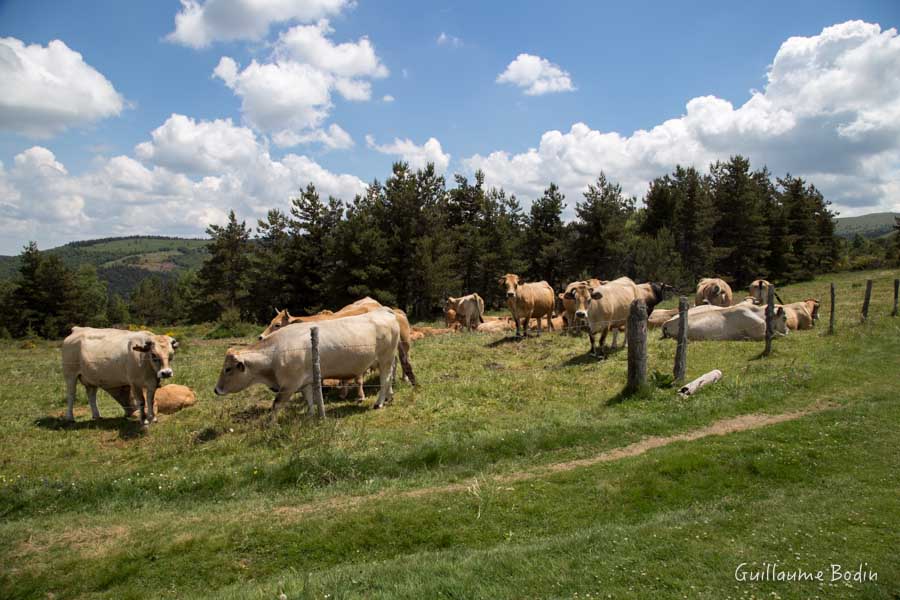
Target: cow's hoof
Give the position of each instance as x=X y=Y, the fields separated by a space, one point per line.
x=377 y=406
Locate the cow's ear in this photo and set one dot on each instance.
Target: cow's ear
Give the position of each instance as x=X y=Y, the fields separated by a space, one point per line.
x=174 y=343
x=145 y=347
x=779 y=311
x=568 y=295
x=596 y=294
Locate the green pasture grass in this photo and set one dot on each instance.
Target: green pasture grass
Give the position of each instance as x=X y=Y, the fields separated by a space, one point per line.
x=212 y=501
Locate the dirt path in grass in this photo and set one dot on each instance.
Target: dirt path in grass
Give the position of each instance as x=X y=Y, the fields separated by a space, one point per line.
x=723 y=427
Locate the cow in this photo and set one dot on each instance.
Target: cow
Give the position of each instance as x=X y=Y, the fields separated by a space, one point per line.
x=570 y=322
x=606 y=307
x=283 y=361
x=127 y=364
x=802 y=315
x=496 y=326
x=172 y=398
x=283 y=318
x=450 y=318
x=652 y=293
x=670 y=326
x=759 y=291
x=660 y=316
x=423 y=332
x=713 y=291
x=527 y=300
x=740 y=322
x=469 y=310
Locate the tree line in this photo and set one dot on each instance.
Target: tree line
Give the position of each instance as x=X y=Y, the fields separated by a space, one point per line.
x=413 y=240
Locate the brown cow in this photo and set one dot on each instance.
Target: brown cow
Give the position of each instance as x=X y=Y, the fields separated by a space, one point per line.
x=714 y=291
x=801 y=315
x=527 y=300
x=606 y=308
x=173 y=397
x=571 y=323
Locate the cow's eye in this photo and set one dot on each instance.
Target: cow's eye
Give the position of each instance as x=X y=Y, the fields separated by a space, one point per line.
x=277 y=326
x=227 y=369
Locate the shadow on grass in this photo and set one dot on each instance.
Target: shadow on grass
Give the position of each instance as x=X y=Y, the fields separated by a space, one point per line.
x=509 y=339
x=127 y=428
x=582 y=359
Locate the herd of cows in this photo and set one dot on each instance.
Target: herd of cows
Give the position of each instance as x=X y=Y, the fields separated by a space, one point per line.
x=130 y=366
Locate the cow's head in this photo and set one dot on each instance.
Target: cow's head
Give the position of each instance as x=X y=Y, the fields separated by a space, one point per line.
x=779 y=323
x=282 y=319
x=812 y=305
x=160 y=350
x=235 y=376
x=759 y=289
x=580 y=295
x=450 y=304
x=510 y=283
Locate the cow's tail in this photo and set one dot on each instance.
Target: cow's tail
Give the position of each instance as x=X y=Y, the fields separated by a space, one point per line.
x=480 y=309
x=403 y=351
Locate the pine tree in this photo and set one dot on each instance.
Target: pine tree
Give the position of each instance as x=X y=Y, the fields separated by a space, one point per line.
x=224 y=279
x=272 y=269
x=601 y=233
x=546 y=238
x=693 y=223
x=312 y=225
x=28 y=297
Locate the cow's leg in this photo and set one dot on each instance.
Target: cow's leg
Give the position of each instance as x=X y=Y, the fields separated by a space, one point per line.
x=360 y=388
x=138 y=394
x=591 y=336
x=385 y=375
x=550 y=321
x=404 y=362
x=151 y=409
x=345 y=389
x=92 y=401
x=70 y=397
x=284 y=396
x=603 y=340
x=615 y=341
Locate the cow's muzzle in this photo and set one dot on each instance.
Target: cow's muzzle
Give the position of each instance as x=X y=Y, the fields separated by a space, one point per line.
x=164 y=373
x=510 y=294
x=218 y=392
x=581 y=314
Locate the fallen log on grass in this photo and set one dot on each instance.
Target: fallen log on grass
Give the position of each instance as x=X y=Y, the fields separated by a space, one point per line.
x=693 y=387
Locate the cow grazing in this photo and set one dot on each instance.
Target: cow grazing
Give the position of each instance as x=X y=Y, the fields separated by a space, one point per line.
x=713 y=291
x=740 y=322
x=283 y=360
x=127 y=364
x=572 y=323
x=605 y=307
x=469 y=310
x=652 y=293
x=527 y=300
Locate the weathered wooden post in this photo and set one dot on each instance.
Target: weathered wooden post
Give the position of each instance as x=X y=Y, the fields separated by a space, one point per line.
x=831 y=319
x=681 y=347
x=770 y=320
x=636 y=337
x=865 y=309
x=896 y=294
x=316 y=372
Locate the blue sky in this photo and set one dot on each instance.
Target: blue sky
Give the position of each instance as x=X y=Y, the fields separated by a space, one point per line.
x=628 y=67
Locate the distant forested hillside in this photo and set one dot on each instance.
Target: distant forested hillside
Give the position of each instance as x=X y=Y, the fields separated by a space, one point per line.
x=873 y=225
x=123 y=262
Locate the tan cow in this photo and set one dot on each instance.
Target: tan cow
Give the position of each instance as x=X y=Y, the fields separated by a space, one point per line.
x=802 y=315
x=496 y=326
x=469 y=310
x=714 y=291
x=128 y=364
x=571 y=323
x=451 y=319
x=606 y=307
x=759 y=291
x=660 y=316
x=172 y=398
x=283 y=318
x=741 y=322
x=347 y=348
x=527 y=300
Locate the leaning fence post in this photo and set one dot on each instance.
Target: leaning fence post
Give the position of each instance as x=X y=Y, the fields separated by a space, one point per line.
x=896 y=293
x=770 y=320
x=865 y=309
x=831 y=319
x=316 y=372
x=681 y=348
x=637 y=346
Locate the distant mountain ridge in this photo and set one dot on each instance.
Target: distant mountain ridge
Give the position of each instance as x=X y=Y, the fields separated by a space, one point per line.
x=124 y=261
x=872 y=225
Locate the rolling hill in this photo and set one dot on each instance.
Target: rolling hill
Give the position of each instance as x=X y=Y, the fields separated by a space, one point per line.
x=124 y=262
x=873 y=225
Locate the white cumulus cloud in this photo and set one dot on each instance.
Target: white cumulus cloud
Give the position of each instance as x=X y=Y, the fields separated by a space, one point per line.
x=47 y=89
x=199 y=23
x=444 y=39
x=536 y=75
x=830 y=112
x=417 y=156
x=189 y=174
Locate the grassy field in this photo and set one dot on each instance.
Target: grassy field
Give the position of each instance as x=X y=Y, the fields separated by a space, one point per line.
x=500 y=476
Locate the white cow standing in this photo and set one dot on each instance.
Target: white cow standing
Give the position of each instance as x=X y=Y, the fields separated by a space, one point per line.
x=283 y=360
x=127 y=364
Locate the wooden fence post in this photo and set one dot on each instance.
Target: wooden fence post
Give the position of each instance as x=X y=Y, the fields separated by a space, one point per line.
x=681 y=347
x=896 y=293
x=865 y=309
x=316 y=372
x=831 y=319
x=636 y=337
x=770 y=320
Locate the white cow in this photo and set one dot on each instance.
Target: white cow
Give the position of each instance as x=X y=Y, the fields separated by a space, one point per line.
x=283 y=361
x=127 y=364
x=740 y=322
x=469 y=309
